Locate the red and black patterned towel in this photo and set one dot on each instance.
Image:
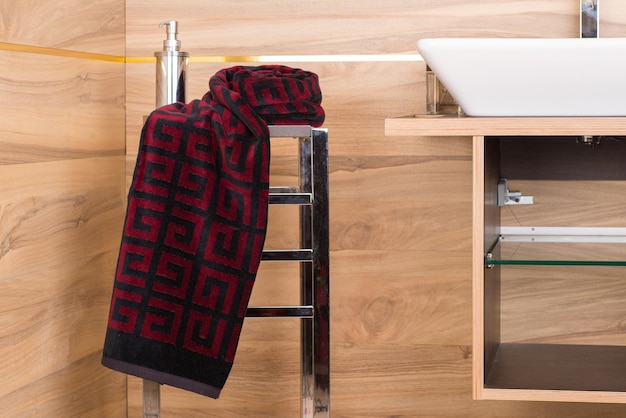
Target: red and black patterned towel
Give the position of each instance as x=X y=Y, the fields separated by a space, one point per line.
x=195 y=226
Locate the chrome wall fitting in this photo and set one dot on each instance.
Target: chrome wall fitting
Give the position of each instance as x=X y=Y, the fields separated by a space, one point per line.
x=589 y=19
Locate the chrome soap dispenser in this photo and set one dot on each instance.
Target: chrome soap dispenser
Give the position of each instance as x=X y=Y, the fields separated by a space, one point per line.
x=171 y=71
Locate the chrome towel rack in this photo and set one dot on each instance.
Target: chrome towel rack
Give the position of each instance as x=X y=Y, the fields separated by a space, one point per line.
x=312 y=197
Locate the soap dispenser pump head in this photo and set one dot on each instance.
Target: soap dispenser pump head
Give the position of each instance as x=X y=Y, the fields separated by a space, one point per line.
x=170 y=43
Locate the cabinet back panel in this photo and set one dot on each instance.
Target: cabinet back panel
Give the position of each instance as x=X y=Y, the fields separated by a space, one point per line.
x=563 y=158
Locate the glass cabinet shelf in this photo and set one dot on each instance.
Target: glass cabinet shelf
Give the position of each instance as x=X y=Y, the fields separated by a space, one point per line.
x=559 y=247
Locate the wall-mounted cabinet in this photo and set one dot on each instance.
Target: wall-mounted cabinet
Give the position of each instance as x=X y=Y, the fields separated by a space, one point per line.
x=549 y=255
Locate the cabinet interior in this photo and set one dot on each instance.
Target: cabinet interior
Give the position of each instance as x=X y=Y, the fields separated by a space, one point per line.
x=555 y=311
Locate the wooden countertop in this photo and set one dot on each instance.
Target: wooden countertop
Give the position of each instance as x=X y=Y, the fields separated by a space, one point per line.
x=444 y=125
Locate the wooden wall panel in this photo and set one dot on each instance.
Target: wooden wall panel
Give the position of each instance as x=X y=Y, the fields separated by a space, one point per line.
x=60 y=226
x=62 y=172
x=612 y=19
x=73 y=108
x=404 y=297
x=566 y=307
x=45 y=325
x=81 y=389
x=568 y=203
x=96 y=26
x=331 y=27
x=400 y=207
x=58 y=211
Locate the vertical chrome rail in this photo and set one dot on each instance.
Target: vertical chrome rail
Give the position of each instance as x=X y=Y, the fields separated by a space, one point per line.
x=307 y=365
x=314 y=313
x=321 y=274
x=151 y=399
x=312 y=196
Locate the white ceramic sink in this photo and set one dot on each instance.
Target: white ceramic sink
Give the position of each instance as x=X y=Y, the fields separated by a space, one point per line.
x=531 y=77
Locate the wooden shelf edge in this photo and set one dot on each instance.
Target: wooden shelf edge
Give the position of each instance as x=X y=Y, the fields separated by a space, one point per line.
x=437 y=125
x=551 y=395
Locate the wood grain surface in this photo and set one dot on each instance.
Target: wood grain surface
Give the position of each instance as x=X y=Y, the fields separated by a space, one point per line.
x=401 y=240
x=59 y=233
x=331 y=27
x=62 y=172
x=401 y=243
x=72 y=109
x=95 y=26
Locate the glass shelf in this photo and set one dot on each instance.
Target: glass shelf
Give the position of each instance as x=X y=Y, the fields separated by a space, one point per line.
x=559 y=247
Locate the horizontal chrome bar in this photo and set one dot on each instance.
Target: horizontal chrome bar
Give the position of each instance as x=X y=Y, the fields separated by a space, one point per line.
x=289 y=131
x=284 y=189
x=291 y=198
x=280 y=311
x=288 y=255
